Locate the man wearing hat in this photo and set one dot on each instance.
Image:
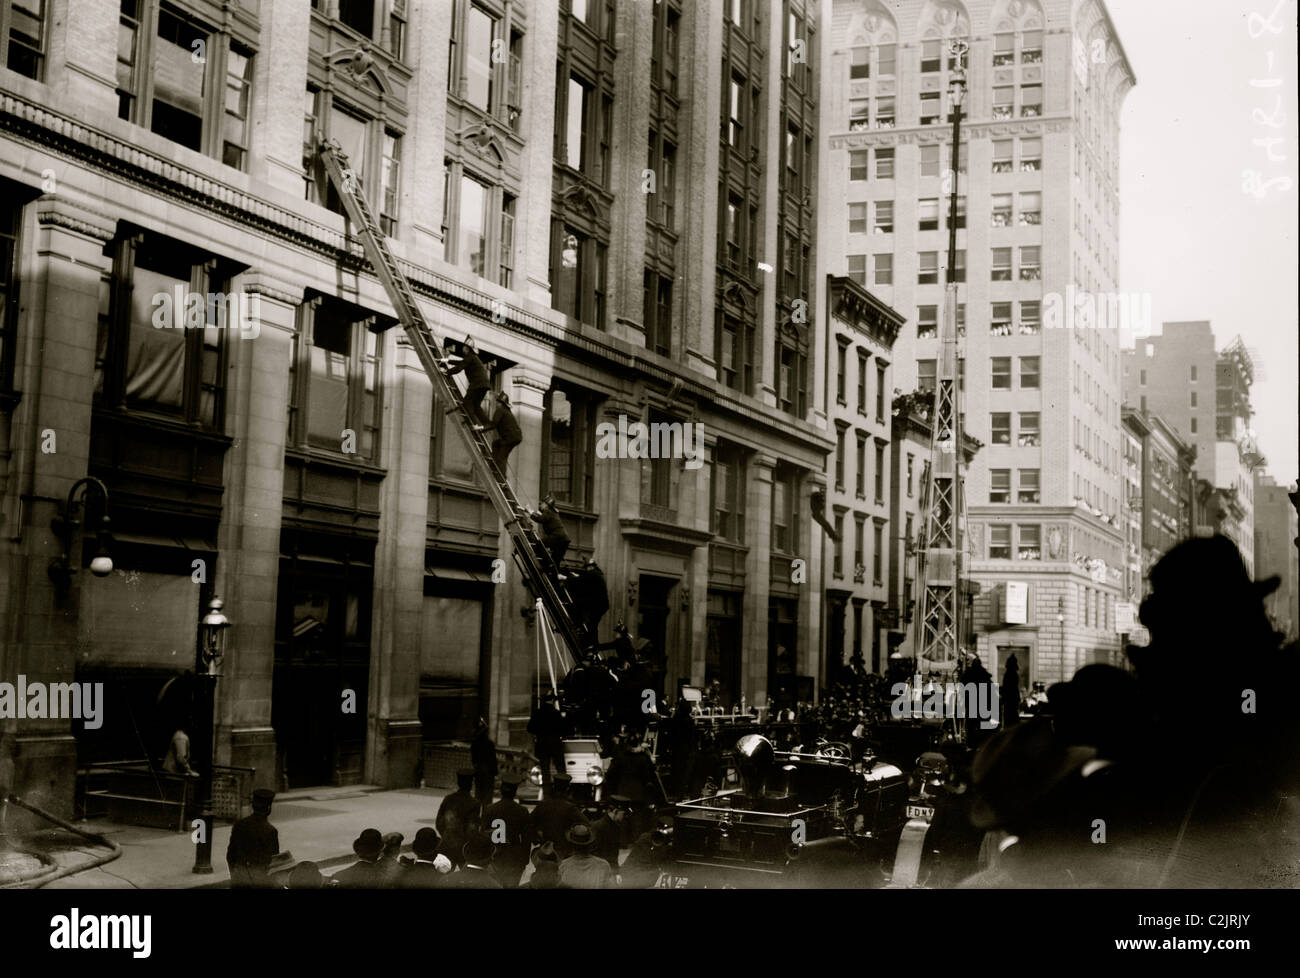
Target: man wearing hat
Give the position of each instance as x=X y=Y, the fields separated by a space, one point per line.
x=555 y=539
x=457 y=815
x=476 y=873
x=254 y=842
x=548 y=727
x=365 y=873
x=609 y=828
x=591 y=595
x=506 y=825
x=509 y=434
x=649 y=854
x=555 y=815
x=477 y=376
x=583 y=869
x=430 y=869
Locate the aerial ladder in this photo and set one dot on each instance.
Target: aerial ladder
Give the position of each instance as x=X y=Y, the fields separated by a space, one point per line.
x=534 y=562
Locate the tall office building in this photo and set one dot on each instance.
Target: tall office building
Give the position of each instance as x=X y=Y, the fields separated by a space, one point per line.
x=616 y=199
x=1275 y=553
x=1037 y=225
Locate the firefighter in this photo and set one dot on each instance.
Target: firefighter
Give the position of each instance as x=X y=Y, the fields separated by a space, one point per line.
x=509 y=434
x=477 y=376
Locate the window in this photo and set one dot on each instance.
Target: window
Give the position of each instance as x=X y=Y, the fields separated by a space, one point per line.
x=389 y=175
x=335 y=382
x=960 y=222
x=10 y=226
x=929 y=56
x=886 y=59
x=840 y=430
x=859 y=546
x=1029 y=269
x=1000 y=322
x=672 y=31
x=885 y=164
x=1031 y=48
x=1004 y=49
x=884 y=113
x=859 y=163
x=927 y=269
x=1031 y=155
x=477 y=43
x=471 y=246
x=1001 y=265
x=358 y=15
x=1142 y=377
x=862 y=382
x=841 y=368
x=928 y=213
x=568 y=445
x=930 y=108
x=884 y=223
x=658 y=312
x=736 y=354
x=859 y=63
x=884 y=269
x=728 y=490
x=1001 y=210
x=880 y=472
x=880 y=392
x=877 y=554
x=785 y=535
x=927 y=322
x=999 y=485
x=1029 y=489
x=925 y=375
x=1000 y=427
x=861 y=466
x=1193 y=377
x=911 y=463
x=959 y=266
x=397 y=30
x=25 y=27
x=1029 y=373
x=1031 y=208
x=858 y=218
x=837 y=559
x=506 y=271
x=174 y=372
x=859 y=114
x=1030 y=317
x=587 y=130
x=999 y=542
x=1001 y=370
x=578 y=274
x=1003 y=101
x=1031 y=101
x=161 y=86
x=1029 y=545
x=858 y=268
x=1191 y=420
x=929 y=161
x=1029 y=429
x=1001 y=156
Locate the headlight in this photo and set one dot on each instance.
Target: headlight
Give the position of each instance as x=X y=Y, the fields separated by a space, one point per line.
x=535 y=775
x=595 y=774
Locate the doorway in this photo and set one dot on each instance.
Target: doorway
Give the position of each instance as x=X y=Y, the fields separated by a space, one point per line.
x=654 y=597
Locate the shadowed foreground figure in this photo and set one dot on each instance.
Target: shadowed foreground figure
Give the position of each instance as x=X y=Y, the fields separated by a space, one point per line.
x=1183 y=777
x=253 y=843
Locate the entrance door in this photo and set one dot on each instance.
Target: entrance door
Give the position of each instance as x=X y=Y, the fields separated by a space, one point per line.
x=654 y=595
x=722 y=657
x=321 y=679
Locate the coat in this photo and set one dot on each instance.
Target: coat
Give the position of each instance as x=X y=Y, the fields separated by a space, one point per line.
x=362 y=875
x=470 y=878
x=591 y=593
x=552 y=818
x=512 y=855
x=549 y=520
x=583 y=871
x=475 y=372
x=253 y=842
x=421 y=876
x=546 y=721
x=505 y=425
x=483 y=755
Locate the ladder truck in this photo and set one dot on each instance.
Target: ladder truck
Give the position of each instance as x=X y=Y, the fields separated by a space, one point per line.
x=534 y=562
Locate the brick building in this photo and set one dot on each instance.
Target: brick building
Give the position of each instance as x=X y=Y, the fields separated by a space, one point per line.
x=616 y=199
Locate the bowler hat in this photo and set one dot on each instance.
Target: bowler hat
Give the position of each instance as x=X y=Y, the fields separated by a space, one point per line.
x=369 y=844
x=580 y=836
x=263 y=796
x=426 y=842
x=465 y=777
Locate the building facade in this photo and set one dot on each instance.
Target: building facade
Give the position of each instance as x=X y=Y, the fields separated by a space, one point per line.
x=1275 y=553
x=580 y=187
x=860 y=342
x=1036 y=222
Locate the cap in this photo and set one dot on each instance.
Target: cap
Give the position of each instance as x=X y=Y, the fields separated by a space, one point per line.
x=514 y=779
x=263 y=796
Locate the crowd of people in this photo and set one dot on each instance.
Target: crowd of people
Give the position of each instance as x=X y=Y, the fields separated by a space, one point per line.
x=498 y=845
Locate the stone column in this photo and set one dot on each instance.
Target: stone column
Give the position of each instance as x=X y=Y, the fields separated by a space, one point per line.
x=279 y=90
x=533 y=223
x=758 y=570
x=248 y=569
x=426 y=136
x=81 y=69
x=393 y=731
x=50 y=440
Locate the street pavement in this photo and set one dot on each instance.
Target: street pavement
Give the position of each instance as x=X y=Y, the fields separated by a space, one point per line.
x=318 y=824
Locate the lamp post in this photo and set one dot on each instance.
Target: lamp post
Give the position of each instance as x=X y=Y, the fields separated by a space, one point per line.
x=1060 y=624
x=65 y=526
x=212 y=640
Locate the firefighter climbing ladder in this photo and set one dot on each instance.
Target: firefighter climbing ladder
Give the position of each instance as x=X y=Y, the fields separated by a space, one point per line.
x=533 y=560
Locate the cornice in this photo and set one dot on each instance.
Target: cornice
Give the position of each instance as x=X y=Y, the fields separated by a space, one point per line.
x=54 y=211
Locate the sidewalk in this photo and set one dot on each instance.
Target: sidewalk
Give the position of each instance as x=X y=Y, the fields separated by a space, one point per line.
x=317 y=824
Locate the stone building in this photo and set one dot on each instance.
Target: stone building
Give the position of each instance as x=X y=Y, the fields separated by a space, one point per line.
x=615 y=199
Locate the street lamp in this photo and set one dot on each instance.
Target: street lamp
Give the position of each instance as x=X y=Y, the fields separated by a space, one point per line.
x=1060 y=623
x=212 y=648
x=65 y=526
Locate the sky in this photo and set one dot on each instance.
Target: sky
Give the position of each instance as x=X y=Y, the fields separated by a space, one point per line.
x=1190 y=235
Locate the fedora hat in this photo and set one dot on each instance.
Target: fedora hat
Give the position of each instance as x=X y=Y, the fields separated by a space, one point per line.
x=580 y=836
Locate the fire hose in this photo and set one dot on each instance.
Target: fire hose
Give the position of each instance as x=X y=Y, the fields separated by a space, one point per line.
x=59 y=872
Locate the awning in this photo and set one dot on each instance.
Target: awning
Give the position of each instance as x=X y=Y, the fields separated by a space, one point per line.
x=458 y=574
